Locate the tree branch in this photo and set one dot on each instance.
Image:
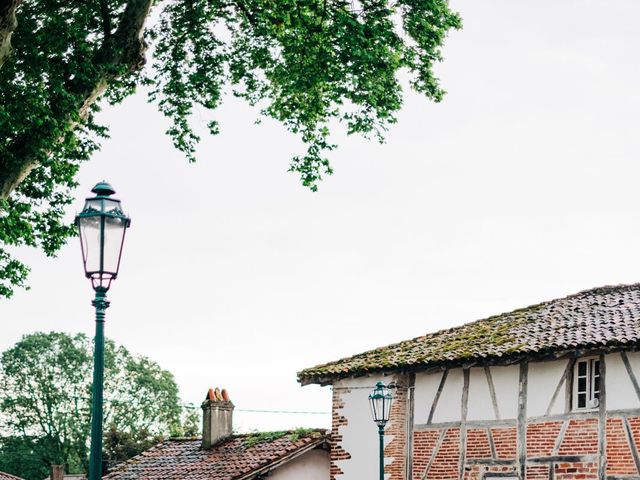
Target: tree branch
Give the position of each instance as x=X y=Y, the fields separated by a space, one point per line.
x=125 y=48
x=106 y=18
x=8 y=24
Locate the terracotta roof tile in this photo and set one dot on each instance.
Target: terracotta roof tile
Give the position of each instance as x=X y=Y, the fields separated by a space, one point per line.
x=601 y=317
x=237 y=457
x=7 y=476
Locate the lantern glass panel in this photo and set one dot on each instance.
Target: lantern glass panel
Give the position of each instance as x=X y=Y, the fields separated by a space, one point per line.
x=386 y=407
x=378 y=408
x=90 y=241
x=114 y=229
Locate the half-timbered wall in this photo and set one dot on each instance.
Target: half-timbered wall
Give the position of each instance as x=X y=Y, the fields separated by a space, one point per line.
x=498 y=421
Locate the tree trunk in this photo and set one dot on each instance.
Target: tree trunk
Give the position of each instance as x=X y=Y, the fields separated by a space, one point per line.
x=124 y=48
x=8 y=24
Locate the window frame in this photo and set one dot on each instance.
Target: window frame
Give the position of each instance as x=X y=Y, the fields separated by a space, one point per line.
x=590 y=376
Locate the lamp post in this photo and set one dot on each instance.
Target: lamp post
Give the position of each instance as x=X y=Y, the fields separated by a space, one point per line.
x=101 y=225
x=380 y=401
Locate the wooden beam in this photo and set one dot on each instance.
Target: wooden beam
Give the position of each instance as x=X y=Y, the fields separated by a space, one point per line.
x=437 y=397
x=492 y=444
x=469 y=423
x=602 y=421
x=443 y=433
x=563 y=378
x=632 y=443
x=568 y=390
x=492 y=391
x=578 y=415
x=489 y=461
x=463 y=421
x=410 y=421
x=521 y=425
x=632 y=376
x=561 y=433
x=563 y=458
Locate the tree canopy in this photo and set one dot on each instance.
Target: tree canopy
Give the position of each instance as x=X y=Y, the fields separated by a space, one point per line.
x=45 y=404
x=310 y=64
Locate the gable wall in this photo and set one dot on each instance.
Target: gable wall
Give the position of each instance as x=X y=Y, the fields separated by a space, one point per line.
x=313 y=465
x=492 y=432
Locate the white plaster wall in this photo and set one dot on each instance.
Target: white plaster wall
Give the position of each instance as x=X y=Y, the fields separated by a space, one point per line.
x=620 y=391
x=450 y=401
x=313 y=465
x=634 y=360
x=542 y=382
x=505 y=380
x=480 y=405
x=360 y=436
x=426 y=386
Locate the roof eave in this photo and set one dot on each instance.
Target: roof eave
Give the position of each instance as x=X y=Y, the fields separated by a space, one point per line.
x=543 y=355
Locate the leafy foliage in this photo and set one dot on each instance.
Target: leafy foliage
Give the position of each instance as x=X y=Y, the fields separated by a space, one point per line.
x=310 y=64
x=120 y=446
x=25 y=456
x=45 y=385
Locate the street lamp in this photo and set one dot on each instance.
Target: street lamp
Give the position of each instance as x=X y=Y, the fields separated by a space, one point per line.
x=380 y=401
x=101 y=225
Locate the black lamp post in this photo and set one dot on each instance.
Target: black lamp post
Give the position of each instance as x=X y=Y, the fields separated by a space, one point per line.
x=102 y=225
x=380 y=401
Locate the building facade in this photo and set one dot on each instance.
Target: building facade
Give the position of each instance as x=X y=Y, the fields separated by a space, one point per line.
x=549 y=392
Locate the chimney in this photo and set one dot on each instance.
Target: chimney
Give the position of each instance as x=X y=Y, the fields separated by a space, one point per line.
x=57 y=472
x=217 y=418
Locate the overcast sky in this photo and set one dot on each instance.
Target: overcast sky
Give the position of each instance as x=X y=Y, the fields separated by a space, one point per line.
x=521 y=186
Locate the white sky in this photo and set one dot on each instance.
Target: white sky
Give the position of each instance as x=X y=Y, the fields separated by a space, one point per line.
x=520 y=187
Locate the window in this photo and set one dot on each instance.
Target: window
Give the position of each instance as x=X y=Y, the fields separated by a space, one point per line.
x=586 y=384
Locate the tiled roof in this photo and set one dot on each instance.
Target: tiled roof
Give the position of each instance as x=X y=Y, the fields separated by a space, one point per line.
x=601 y=317
x=6 y=476
x=239 y=457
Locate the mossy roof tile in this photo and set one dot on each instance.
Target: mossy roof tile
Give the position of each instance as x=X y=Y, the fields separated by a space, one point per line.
x=601 y=317
x=236 y=457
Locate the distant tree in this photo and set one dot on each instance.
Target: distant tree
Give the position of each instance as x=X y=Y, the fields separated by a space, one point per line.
x=120 y=446
x=45 y=388
x=308 y=64
x=25 y=456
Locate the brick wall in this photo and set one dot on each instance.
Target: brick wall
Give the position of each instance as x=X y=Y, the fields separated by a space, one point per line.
x=581 y=437
x=547 y=442
x=337 y=420
x=396 y=430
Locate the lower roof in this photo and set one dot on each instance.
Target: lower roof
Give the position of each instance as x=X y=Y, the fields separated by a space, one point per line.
x=605 y=317
x=8 y=476
x=238 y=457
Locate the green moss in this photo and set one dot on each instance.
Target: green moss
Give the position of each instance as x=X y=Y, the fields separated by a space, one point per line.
x=299 y=433
x=260 y=437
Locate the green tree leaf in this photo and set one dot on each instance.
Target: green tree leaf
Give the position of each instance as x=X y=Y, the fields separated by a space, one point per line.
x=45 y=401
x=309 y=64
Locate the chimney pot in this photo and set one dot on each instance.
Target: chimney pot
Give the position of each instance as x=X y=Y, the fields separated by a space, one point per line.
x=217 y=417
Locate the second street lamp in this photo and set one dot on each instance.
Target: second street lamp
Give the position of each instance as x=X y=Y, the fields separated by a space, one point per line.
x=102 y=226
x=380 y=403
